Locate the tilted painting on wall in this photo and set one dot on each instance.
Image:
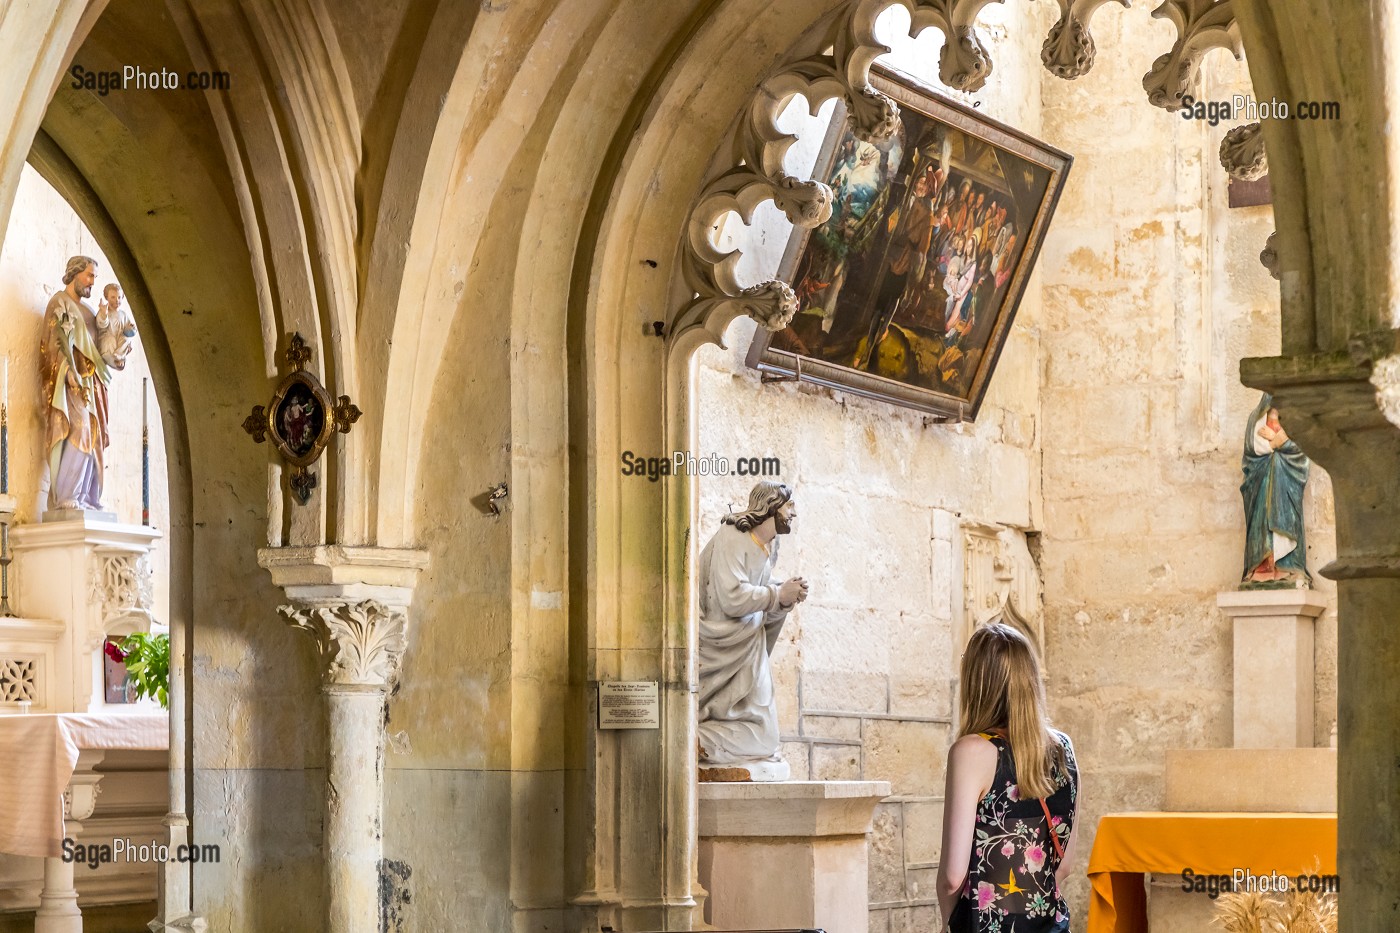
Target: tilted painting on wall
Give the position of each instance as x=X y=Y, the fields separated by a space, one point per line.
x=908 y=292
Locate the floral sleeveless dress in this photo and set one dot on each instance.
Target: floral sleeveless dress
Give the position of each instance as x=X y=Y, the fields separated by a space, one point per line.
x=1011 y=878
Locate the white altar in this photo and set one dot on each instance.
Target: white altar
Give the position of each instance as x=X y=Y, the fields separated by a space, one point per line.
x=78 y=772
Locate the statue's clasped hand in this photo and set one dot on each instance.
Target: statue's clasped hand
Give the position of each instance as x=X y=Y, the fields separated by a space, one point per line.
x=792 y=592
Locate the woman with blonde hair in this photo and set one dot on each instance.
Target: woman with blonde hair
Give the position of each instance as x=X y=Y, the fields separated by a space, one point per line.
x=1011 y=797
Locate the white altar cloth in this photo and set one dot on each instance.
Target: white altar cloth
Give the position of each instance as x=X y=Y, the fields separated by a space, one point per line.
x=37 y=756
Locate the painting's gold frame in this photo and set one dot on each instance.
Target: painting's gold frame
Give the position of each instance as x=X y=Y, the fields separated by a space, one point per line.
x=911 y=94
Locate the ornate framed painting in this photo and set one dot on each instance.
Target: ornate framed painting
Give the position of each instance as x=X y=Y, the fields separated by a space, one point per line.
x=908 y=292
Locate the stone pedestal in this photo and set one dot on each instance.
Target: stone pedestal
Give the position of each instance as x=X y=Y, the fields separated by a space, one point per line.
x=1273 y=766
x=94 y=577
x=787 y=855
x=1273 y=665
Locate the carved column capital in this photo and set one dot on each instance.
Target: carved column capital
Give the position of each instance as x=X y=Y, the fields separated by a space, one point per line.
x=360 y=644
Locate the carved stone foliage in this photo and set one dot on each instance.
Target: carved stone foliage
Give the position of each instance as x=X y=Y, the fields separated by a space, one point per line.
x=1242 y=152
x=122 y=584
x=1069 y=48
x=1385 y=376
x=1201 y=25
x=360 y=644
x=18 y=680
x=1269 y=254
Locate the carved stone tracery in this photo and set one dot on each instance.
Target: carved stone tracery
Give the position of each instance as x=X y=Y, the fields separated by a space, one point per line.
x=1201 y=25
x=1069 y=49
x=19 y=680
x=1000 y=581
x=757 y=175
x=122 y=583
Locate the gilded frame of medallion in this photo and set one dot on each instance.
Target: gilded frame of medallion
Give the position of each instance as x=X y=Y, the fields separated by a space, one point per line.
x=323 y=436
x=336 y=414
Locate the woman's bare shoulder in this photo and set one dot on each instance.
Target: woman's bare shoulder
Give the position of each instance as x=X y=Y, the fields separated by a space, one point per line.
x=972 y=748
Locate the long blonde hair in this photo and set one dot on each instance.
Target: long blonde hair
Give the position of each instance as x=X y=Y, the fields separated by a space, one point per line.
x=1002 y=688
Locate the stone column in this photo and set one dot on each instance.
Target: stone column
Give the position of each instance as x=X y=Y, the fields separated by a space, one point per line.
x=1343 y=410
x=361 y=645
x=353 y=602
x=58 y=901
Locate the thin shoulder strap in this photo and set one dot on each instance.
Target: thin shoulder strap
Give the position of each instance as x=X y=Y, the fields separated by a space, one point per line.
x=1050 y=828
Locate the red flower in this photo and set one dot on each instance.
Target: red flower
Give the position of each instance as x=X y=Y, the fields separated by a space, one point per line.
x=115 y=652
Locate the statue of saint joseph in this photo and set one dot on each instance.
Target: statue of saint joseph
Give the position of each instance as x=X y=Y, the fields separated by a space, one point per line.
x=76 y=376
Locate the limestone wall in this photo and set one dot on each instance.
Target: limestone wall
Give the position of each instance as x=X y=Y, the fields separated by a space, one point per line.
x=1112 y=432
x=1153 y=293
x=886 y=498
x=44 y=231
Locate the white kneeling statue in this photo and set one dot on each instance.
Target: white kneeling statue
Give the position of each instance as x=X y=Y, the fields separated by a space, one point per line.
x=742 y=610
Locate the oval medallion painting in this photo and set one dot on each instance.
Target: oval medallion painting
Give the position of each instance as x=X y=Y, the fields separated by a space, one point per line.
x=300 y=419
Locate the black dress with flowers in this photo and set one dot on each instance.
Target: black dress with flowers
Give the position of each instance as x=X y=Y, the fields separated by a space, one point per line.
x=1011 y=877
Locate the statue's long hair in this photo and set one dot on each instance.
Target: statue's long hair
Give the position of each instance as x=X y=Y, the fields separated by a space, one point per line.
x=1002 y=689
x=765 y=498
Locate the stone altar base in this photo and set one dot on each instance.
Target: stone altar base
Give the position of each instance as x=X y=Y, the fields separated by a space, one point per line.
x=787 y=855
x=1252 y=780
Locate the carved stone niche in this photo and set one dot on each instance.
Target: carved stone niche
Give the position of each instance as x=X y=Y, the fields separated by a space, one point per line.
x=1000 y=582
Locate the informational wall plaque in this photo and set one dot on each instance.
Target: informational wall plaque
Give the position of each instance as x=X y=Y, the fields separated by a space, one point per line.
x=629 y=704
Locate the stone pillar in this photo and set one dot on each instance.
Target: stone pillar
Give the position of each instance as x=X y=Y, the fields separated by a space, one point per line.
x=361 y=646
x=1273 y=665
x=1343 y=410
x=353 y=602
x=58 y=901
x=789 y=854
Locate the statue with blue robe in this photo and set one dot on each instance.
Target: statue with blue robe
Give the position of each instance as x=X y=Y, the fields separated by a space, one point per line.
x=1275 y=472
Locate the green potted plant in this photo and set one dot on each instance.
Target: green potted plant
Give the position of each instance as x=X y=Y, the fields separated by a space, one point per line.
x=147 y=659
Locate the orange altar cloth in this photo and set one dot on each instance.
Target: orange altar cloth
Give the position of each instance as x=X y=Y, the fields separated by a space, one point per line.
x=1129 y=844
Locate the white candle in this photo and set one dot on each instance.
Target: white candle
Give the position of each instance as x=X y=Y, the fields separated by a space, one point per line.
x=6 y=398
x=143 y=404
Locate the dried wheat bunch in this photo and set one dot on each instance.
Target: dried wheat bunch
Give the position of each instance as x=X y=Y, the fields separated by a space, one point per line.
x=1246 y=912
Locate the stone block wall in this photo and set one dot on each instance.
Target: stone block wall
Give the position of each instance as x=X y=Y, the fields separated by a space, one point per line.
x=1153 y=292
x=1112 y=430
x=866 y=668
